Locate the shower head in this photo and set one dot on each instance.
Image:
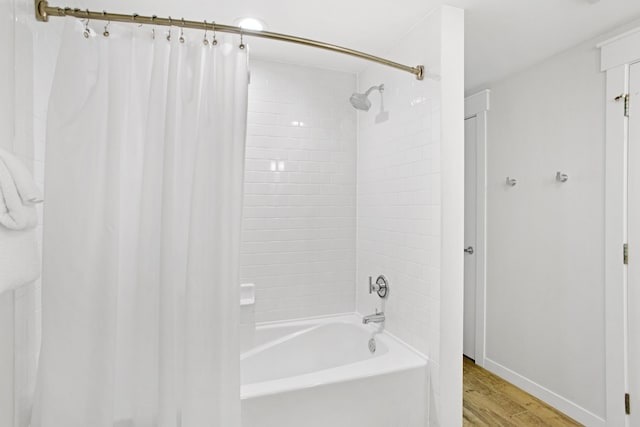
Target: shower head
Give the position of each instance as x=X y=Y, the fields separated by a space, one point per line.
x=360 y=101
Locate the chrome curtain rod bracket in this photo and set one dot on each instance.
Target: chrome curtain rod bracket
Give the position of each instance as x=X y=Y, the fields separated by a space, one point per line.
x=43 y=11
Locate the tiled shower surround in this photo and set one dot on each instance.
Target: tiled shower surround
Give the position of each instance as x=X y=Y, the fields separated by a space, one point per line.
x=299 y=226
x=319 y=205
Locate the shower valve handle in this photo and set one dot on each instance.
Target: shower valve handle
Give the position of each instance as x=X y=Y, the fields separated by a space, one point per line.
x=381 y=286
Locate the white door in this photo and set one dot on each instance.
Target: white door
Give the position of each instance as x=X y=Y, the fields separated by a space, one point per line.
x=633 y=239
x=470 y=200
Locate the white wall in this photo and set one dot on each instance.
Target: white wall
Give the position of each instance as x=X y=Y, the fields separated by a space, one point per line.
x=401 y=207
x=299 y=207
x=545 y=258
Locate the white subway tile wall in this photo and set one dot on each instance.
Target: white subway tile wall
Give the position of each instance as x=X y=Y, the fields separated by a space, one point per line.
x=299 y=225
x=399 y=206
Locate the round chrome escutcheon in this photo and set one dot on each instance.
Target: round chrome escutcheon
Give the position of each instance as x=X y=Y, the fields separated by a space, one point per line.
x=372 y=345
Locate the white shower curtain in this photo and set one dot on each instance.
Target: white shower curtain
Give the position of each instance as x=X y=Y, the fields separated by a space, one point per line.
x=144 y=178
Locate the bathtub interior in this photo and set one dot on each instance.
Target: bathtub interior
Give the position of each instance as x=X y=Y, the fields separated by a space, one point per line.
x=300 y=354
x=307 y=350
x=270 y=333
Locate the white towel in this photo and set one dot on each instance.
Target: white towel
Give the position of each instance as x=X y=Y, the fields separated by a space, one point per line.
x=14 y=214
x=18 y=194
x=26 y=186
x=19 y=255
x=19 y=258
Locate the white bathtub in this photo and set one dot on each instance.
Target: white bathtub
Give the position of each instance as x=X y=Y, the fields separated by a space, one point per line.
x=321 y=373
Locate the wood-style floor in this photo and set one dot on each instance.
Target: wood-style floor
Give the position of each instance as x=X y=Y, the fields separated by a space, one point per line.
x=490 y=401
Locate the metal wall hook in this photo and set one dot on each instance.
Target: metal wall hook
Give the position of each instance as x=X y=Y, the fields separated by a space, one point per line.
x=511 y=182
x=561 y=177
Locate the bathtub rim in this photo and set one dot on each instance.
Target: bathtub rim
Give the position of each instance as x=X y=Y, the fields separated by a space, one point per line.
x=346 y=315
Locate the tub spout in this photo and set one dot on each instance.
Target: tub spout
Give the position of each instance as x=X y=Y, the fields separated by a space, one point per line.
x=373 y=318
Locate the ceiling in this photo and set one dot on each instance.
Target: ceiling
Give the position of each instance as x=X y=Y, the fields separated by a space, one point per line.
x=502 y=36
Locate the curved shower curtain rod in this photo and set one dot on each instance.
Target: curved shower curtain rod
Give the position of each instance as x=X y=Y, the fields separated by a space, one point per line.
x=43 y=11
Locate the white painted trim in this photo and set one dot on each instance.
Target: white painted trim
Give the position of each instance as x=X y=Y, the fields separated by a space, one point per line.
x=617 y=37
x=478 y=105
x=632 y=210
x=615 y=303
x=574 y=411
x=449 y=403
x=481 y=229
x=620 y=50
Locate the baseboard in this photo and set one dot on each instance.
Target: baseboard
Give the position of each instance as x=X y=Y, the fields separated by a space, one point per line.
x=562 y=404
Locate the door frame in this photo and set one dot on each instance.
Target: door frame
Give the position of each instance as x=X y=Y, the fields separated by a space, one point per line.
x=616 y=56
x=477 y=105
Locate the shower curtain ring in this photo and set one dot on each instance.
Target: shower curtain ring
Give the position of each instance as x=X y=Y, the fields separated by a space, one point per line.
x=134 y=17
x=106 y=27
x=204 y=40
x=87 y=31
x=169 y=32
x=153 y=30
x=242 y=46
x=214 y=42
x=182 y=32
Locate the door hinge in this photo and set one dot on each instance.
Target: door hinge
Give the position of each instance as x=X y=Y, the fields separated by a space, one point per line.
x=624 y=98
x=627 y=404
x=625 y=253
x=626 y=105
